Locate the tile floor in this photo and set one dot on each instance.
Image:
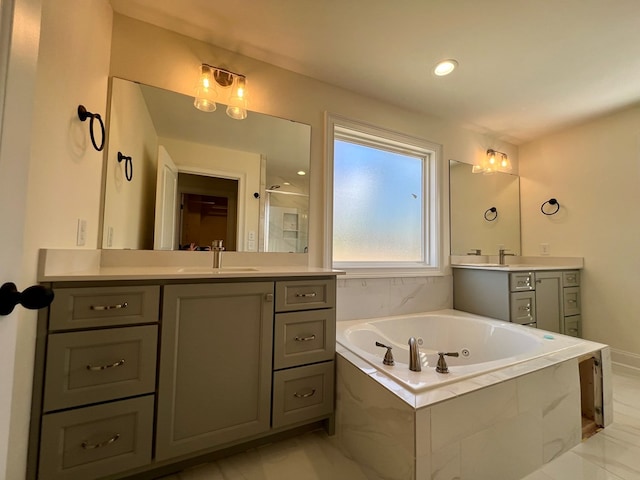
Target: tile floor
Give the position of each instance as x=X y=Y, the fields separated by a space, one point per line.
x=612 y=454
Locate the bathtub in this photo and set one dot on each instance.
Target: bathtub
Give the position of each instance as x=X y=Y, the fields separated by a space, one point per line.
x=484 y=345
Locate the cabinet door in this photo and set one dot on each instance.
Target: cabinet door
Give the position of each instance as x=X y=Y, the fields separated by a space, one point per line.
x=215 y=366
x=549 y=300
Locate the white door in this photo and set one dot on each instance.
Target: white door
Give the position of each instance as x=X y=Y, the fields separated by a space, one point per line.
x=17 y=77
x=165 y=237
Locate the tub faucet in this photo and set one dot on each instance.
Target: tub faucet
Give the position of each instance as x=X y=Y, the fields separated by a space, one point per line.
x=414 y=355
x=217 y=249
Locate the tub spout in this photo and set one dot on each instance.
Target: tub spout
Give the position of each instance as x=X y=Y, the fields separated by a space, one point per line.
x=414 y=355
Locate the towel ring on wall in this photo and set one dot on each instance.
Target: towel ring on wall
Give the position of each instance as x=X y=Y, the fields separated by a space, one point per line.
x=83 y=114
x=128 y=165
x=551 y=201
x=491 y=214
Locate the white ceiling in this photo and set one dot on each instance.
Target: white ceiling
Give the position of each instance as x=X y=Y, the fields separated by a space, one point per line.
x=527 y=67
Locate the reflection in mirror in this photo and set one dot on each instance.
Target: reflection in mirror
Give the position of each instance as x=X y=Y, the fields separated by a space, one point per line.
x=202 y=176
x=474 y=225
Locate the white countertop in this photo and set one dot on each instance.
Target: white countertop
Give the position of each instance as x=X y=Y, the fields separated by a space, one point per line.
x=88 y=265
x=516 y=263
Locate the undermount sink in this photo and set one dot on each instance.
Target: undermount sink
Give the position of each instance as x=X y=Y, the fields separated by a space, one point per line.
x=216 y=270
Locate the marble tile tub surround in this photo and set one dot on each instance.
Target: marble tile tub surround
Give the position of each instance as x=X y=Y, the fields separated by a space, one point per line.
x=382 y=297
x=504 y=432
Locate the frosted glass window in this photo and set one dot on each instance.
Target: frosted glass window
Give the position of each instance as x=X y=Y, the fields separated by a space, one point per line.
x=383 y=192
x=378 y=204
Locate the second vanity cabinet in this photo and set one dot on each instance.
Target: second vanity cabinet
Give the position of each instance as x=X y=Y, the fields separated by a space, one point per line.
x=549 y=300
x=131 y=378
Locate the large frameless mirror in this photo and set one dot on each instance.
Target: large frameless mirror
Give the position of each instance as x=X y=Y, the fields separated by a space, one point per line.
x=484 y=211
x=194 y=177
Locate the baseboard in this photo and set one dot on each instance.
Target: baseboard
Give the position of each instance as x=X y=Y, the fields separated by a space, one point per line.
x=625 y=359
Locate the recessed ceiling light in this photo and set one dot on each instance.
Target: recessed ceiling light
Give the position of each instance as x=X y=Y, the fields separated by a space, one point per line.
x=445 y=67
x=302 y=172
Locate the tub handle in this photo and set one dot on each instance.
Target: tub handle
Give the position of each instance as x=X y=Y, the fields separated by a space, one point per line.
x=442 y=367
x=388 y=357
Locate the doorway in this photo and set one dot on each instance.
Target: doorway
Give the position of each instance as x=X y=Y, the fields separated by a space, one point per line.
x=208 y=211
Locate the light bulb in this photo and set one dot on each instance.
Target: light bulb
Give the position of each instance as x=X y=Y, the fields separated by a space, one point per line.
x=205 y=90
x=237 y=108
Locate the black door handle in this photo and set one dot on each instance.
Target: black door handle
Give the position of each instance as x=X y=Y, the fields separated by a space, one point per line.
x=33 y=297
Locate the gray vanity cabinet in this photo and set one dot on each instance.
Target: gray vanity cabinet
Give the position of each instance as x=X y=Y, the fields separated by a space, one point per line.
x=132 y=378
x=549 y=300
x=215 y=366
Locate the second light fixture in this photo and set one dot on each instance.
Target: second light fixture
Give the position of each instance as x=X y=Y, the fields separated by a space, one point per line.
x=232 y=87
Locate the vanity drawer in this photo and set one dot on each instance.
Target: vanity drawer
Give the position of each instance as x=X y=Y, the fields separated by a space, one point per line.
x=523 y=307
x=304 y=337
x=571 y=278
x=521 y=281
x=98 y=365
x=89 y=307
x=571 y=297
x=302 y=393
x=94 y=442
x=305 y=294
x=572 y=326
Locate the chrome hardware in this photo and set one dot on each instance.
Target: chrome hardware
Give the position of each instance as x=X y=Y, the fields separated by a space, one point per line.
x=95 y=368
x=388 y=357
x=217 y=249
x=525 y=308
x=305 y=395
x=269 y=297
x=90 y=446
x=475 y=251
x=306 y=295
x=414 y=355
x=571 y=301
x=118 y=306
x=305 y=339
x=442 y=367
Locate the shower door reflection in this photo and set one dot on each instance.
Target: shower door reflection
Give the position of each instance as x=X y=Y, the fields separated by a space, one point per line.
x=286 y=221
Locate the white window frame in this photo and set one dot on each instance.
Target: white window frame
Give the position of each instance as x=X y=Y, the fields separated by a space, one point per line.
x=376 y=137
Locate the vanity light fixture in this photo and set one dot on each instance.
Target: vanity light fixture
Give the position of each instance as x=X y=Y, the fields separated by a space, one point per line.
x=495 y=161
x=232 y=86
x=445 y=67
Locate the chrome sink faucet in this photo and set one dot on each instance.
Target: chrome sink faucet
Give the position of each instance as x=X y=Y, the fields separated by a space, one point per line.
x=217 y=249
x=414 y=355
x=501 y=254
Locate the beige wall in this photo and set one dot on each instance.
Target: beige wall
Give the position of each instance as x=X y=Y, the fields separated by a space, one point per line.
x=157 y=57
x=593 y=170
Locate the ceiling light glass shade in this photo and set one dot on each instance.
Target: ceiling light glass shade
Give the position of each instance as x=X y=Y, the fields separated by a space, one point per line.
x=494 y=161
x=237 y=108
x=445 y=67
x=205 y=98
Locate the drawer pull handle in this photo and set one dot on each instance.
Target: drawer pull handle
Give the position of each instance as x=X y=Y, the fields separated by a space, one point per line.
x=526 y=308
x=110 y=307
x=306 y=295
x=305 y=339
x=95 y=368
x=90 y=446
x=573 y=330
x=572 y=302
x=305 y=395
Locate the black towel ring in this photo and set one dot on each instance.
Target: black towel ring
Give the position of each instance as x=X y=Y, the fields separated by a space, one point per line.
x=128 y=165
x=487 y=215
x=83 y=114
x=551 y=201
